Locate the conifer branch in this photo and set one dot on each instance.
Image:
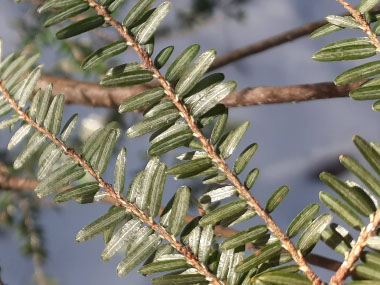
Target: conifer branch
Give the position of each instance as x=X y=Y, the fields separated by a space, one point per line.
x=360 y=20
x=250 y=49
x=207 y=146
x=370 y=229
x=30 y=184
x=120 y=201
x=365 y=234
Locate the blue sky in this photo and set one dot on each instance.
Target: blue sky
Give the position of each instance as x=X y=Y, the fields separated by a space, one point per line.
x=294 y=139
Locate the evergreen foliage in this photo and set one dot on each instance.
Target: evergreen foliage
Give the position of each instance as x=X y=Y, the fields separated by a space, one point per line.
x=160 y=239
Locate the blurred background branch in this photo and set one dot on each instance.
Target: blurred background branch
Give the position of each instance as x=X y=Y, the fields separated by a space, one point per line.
x=92 y=94
x=266 y=44
x=10 y=182
x=1 y=280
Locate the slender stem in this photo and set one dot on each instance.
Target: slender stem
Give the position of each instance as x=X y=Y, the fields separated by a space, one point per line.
x=360 y=20
x=269 y=43
x=120 y=201
x=348 y=263
x=266 y=44
x=208 y=147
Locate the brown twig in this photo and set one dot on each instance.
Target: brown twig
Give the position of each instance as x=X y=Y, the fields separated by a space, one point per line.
x=208 y=147
x=322 y=261
x=4 y=169
x=266 y=44
x=356 y=250
x=269 y=43
x=36 y=2
x=9 y=182
x=120 y=201
x=91 y=94
x=288 y=94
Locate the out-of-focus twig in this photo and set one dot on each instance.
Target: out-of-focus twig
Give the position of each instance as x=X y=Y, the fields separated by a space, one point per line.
x=266 y=44
x=91 y=94
x=9 y=182
x=1 y=280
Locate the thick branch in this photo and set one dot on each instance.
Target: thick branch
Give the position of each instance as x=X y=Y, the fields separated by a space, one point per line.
x=19 y=184
x=91 y=94
x=208 y=147
x=120 y=200
x=9 y=182
x=288 y=94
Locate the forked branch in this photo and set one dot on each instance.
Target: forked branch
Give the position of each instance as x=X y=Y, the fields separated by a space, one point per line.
x=207 y=146
x=120 y=201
